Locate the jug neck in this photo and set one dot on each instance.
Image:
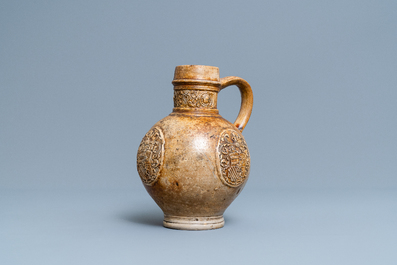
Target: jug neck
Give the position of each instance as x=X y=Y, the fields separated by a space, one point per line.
x=195 y=97
x=196 y=89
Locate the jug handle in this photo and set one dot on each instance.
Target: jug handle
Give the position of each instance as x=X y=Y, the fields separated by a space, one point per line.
x=247 y=99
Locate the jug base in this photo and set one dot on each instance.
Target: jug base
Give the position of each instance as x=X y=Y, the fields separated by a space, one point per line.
x=193 y=223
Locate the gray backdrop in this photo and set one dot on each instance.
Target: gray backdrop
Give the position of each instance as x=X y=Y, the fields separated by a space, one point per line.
x=81 y=82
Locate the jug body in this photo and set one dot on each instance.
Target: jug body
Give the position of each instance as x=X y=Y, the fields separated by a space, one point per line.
x=193 y=162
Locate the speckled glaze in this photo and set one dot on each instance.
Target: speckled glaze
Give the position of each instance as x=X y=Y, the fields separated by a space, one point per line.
x=194 y=163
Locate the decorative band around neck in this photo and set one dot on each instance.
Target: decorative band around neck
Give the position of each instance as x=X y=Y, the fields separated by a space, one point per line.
x=195 y=99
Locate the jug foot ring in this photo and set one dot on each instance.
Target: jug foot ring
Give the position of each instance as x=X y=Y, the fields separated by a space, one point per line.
x=193 y=223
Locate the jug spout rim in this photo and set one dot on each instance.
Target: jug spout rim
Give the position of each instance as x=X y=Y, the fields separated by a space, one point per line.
x=197 y=72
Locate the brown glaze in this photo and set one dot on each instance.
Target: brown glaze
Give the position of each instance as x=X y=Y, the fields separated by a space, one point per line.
x=193 y=162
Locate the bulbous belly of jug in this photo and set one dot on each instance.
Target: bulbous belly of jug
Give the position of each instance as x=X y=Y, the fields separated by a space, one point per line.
x=193 y=166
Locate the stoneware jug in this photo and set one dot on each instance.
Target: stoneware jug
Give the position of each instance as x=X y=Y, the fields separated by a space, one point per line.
x=194 y=163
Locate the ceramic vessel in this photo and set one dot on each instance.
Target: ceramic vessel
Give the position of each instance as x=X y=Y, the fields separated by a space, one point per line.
x=194 y=163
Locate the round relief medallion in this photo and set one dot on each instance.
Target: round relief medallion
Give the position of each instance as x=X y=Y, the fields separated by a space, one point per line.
x=234 y=158
x=150 y=156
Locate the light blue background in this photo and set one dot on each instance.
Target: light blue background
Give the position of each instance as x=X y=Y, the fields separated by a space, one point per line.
x=81 y=82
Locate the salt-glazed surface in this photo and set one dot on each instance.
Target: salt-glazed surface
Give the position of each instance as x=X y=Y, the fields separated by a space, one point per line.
x=194 y=163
